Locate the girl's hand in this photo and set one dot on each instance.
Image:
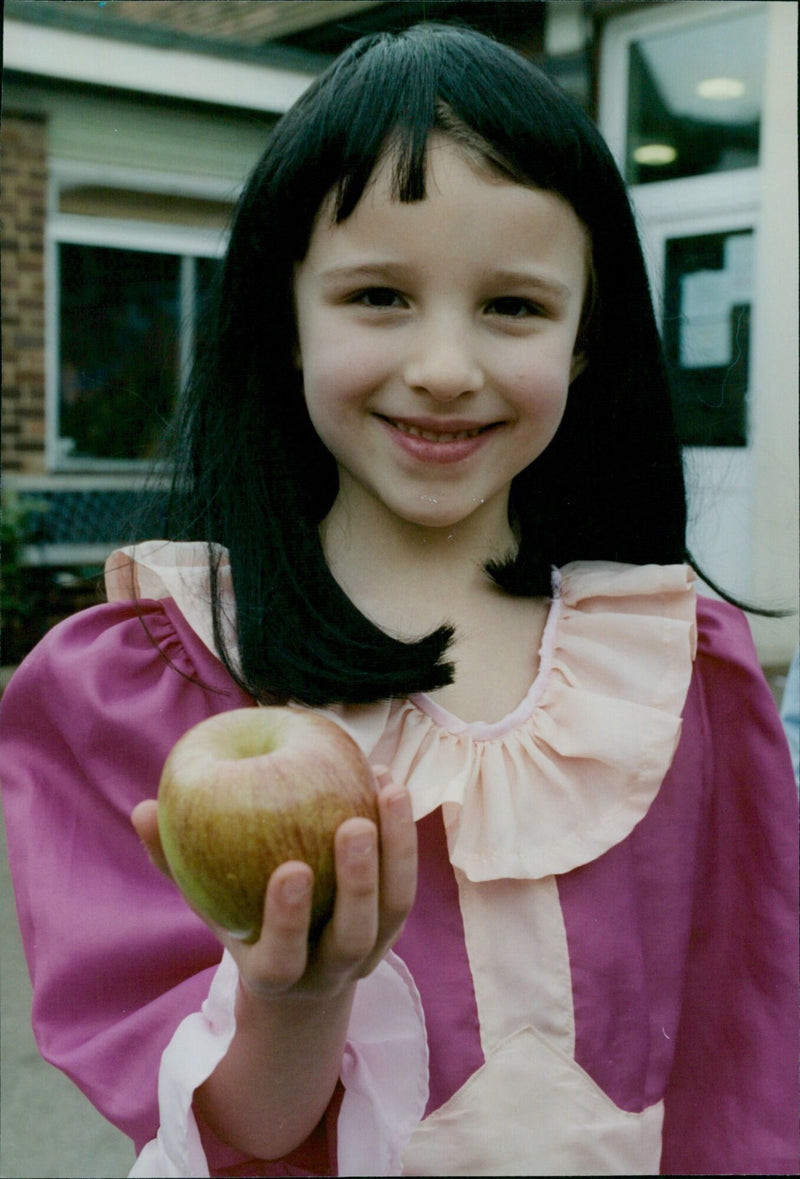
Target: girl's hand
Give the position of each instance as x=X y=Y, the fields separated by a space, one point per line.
x=375 y=887
x=293 y=1004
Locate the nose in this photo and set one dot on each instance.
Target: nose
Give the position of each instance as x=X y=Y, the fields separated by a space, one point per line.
x=443 y=362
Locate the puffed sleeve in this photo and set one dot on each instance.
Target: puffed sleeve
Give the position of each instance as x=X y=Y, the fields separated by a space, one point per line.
x=732 y=1102
x=117 y=959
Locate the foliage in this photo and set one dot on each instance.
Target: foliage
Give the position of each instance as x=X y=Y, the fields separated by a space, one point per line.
x=23 y=590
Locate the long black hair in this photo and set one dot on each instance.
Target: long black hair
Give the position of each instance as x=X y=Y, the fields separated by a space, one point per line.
x=250 y=472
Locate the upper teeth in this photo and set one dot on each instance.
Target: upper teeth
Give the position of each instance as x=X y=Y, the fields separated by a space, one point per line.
x=432 y=436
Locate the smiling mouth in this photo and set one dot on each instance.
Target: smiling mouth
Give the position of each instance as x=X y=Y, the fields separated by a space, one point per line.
x=437 y=435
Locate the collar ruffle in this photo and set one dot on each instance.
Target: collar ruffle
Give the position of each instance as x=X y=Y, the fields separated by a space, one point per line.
x=572 y=770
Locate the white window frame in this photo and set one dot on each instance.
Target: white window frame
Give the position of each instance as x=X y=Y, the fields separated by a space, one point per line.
x=187 y=242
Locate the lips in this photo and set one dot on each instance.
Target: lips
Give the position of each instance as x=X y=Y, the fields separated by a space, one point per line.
x=431 y=441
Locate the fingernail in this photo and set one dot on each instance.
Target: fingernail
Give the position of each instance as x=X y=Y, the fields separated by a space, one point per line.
x=396 y=798
x=382 y=777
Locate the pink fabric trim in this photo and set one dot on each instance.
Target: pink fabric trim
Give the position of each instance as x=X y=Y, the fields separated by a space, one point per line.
x=161 y=569
x=577 y=765
x=386 y=1041
x=198 y=1045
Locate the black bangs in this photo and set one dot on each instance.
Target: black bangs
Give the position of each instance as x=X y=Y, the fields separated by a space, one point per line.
x=387 y=110
x=386 y=95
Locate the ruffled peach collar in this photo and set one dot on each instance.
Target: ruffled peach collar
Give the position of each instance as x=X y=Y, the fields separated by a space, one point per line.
x=566 y=775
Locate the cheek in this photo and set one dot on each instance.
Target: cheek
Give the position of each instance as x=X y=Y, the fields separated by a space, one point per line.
x=539 y=398
x=337 y=381
x=339 y=372
x=541 y=391
x=537 y=367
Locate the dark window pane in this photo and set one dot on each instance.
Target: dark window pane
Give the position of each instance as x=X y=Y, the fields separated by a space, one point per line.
x=707 y=301
x=206 y=272
x=118 y=359
x=694 y=99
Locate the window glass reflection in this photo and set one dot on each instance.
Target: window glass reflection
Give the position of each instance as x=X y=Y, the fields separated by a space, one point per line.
x=119 y=350
x=707 y=307
x=694 y=99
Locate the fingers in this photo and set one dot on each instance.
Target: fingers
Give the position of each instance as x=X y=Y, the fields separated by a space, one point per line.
x=353 y=928
x=376 y=881
x=144 y=818
x=398 y=884
x=376 y=873
x=279 y=958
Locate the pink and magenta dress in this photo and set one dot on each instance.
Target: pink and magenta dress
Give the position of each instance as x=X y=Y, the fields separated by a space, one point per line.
x=599 y=974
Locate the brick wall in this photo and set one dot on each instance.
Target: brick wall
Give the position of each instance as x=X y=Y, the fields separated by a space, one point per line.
x=241 y=22
x=23 y=141
x=237 y=20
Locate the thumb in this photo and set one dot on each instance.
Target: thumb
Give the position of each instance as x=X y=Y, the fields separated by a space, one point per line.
x=144 y=818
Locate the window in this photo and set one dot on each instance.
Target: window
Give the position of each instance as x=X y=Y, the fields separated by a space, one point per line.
x=126 y=328
x=129 y=269
x=682 y=106
x=708 y=282
x=694 y=99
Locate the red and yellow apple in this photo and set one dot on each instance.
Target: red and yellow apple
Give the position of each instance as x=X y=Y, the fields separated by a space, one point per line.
x=245 y=791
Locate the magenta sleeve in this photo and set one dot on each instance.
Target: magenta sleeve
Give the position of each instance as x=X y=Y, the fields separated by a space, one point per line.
x=732 y=1100
x=116 y=958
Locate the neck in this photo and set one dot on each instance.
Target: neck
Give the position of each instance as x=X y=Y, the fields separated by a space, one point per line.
x=410 y=577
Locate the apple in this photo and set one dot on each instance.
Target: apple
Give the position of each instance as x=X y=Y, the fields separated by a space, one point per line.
x=244 y=791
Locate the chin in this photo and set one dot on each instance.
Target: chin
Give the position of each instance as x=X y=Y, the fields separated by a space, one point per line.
x=437 y=518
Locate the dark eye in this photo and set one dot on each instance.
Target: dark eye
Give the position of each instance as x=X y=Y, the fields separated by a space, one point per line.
x=379 y=297
x=513 y=307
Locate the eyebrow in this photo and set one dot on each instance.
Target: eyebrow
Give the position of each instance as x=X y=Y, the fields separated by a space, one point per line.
x=365 y=272
x=542 y=282
x=398 y=272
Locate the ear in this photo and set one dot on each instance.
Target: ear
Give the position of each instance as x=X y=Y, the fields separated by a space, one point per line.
x=579 y=363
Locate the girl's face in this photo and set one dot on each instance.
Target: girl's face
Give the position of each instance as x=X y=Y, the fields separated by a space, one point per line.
x=437 y=339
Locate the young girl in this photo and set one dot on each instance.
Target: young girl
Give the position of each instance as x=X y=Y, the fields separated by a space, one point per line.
x=426 y=484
